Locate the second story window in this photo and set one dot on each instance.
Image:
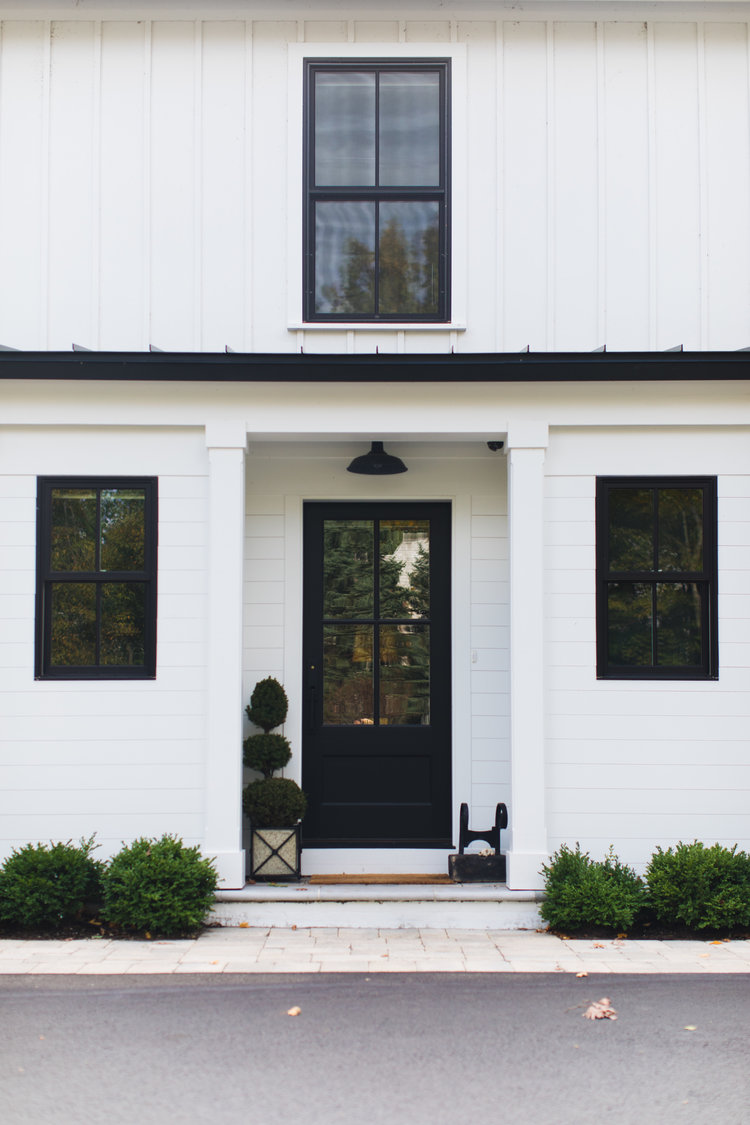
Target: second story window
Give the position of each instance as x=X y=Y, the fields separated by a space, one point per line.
x=376 y=191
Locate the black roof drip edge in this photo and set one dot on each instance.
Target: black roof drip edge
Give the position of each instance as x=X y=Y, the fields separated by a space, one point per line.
x=481 y=367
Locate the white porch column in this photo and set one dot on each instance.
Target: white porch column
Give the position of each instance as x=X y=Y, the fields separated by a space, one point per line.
x=226 y=532
x=526 y=445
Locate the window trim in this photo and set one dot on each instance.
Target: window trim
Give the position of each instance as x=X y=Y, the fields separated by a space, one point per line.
x=290 y=216
x=312 y=194
x=709 y=668
x=45 y=576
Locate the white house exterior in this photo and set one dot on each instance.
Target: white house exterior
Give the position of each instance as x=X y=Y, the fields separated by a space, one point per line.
x=590 y=191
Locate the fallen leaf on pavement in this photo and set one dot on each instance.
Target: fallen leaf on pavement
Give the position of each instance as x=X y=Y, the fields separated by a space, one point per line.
x=294 y=1011
x=584 y=974
x=690 y=1027
x=600 y=1010
x=244 y=925
x=598 y=945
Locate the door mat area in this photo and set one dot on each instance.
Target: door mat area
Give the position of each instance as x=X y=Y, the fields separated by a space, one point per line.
x=368 y=880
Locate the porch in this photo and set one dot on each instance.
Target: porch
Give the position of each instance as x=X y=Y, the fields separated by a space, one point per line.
x=397 y=905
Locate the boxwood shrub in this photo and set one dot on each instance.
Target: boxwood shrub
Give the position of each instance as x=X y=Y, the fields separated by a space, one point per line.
x=158 y=887
x=583 y=893
x=700 y=887
x=48 y=886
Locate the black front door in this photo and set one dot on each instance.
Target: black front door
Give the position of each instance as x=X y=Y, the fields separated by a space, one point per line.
x=376 y=758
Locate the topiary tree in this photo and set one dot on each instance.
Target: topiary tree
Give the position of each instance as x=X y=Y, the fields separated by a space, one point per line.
x=270 y=802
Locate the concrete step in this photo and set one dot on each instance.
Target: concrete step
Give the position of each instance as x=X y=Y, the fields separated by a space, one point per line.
x=478 y=906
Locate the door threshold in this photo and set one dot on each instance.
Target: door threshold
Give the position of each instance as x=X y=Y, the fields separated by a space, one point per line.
x=375 y=879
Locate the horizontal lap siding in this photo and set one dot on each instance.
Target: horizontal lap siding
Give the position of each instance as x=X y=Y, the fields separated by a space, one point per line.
x=146 y=174
x=115 y=759
x=490 y=656
x=265 y=549
x=639 y=764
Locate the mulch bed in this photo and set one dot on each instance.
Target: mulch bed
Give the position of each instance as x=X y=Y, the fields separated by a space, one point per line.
x=654 y=932
x=95 y=928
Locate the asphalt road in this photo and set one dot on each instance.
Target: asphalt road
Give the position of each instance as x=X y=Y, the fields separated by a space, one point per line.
x=470 y=1049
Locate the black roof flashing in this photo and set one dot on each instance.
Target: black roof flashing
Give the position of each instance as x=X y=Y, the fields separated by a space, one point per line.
x=480 y=367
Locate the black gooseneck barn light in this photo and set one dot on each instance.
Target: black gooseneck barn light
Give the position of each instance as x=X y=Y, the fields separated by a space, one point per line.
x=377 y=463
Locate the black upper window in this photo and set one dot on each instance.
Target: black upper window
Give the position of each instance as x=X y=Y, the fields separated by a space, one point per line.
x=656 y=578
x=96 y=578
x=376 y=191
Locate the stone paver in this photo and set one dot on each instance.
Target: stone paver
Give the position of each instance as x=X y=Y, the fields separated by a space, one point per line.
x=348 y=950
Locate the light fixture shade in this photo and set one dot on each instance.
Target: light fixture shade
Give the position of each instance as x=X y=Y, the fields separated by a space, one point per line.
x=377 y=463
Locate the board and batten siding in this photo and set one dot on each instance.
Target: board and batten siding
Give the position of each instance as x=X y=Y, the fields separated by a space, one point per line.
x=118 y=759
x=633 y=763
x=147 y=179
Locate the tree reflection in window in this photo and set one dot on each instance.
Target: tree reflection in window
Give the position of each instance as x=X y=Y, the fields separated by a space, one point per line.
x=377 y=662
x=97 y=591
x=656 y=569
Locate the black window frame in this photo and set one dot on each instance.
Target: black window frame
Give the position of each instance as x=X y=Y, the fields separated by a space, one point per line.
x=708 y=577
x=313 y=194
x=46 y=576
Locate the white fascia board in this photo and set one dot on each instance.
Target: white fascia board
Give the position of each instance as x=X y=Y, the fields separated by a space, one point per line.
x=339 y=9
x=304 y=10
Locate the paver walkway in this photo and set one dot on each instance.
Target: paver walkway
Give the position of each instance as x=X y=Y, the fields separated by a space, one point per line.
x=338 y=950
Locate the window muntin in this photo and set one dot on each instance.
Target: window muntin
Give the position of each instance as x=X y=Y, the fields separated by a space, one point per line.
x=656 y=578
x=376 y=212
x=96 y=580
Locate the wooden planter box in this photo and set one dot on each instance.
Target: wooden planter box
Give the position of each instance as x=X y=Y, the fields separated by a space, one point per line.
x=473 y=868
x=275 y=854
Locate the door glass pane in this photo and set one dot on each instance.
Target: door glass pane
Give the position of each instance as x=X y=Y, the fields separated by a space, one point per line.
x=679 y=614
x=348 y=696
x=73 y=624
x=681 y=529
x=404 y=674
x=631 y=529
x=404 y=568
x=410 y=129
x=123 y=529
x=409 y=245
x=344 y=129
x=123 y=609
x=345 y=257
x=73 y=530
x=629 y=638
x=348 y=568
